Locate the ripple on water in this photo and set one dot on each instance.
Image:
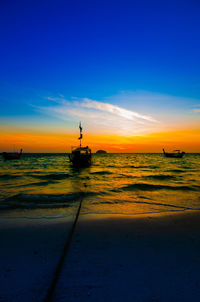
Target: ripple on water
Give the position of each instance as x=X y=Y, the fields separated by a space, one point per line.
x=153 y=187
x=115 y=180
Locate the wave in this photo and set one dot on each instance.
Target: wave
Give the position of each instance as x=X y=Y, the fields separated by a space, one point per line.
x=106 y=202
x=143 y=201
x=9 y=176
x=43 y=201
x=151 y=187
x=134 y=213
x=33 y=184
x=132 y=166
x=101 y=173
x=144 y=167
x=144 y=197
x=176 y=170
x=161 y=177
x=53 y=176
x=31 y=201
x=163 y=204
x=126 y=176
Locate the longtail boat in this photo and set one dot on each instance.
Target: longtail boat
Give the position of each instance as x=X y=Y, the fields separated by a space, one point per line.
x=174 y=154
x=80 y=156
x=13 y=155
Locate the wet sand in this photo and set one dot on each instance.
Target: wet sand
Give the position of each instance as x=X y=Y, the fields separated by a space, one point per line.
x=150 y=257
x=30 y=251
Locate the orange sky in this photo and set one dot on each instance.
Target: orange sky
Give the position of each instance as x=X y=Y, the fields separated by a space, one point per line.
x=187 y=140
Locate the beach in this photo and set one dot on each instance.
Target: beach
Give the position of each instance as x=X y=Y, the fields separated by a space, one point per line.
x=100 y=151
x=30 y=250
x=149 y=257
x=136 y=238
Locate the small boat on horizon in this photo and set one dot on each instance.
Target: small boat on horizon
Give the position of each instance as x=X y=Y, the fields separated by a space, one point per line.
x=13 y=155
x=80 y=156
x=174 y=154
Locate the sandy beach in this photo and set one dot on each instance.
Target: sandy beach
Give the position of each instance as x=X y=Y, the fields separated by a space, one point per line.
x=30 y=251
x=100 y=151
x=111 y=258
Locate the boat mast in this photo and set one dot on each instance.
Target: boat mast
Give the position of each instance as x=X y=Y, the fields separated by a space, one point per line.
x=81 y=135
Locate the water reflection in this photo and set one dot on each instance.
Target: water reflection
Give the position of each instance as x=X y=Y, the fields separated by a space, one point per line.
x=114 y=183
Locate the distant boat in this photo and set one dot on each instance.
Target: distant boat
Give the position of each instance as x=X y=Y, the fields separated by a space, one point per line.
x=13 y=155
x=174 y=154
x=80 y=156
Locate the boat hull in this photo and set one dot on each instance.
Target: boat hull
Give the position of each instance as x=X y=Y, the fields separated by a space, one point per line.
x=81 y=160
x=174 y=155
x=10 y=156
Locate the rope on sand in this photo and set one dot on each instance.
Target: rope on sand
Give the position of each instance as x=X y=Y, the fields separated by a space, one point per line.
x=62 y=258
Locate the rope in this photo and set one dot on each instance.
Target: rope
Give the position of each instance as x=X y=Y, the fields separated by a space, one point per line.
x=63 y=255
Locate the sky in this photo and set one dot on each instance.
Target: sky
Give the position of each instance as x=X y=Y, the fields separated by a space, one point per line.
x=128 y=70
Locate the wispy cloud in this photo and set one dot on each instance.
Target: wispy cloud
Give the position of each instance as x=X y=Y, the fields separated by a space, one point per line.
x=116 y=110
x=196 y=110
x=100 y=116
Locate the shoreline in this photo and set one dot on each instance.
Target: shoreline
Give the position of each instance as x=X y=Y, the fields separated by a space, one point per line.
x=11 y=218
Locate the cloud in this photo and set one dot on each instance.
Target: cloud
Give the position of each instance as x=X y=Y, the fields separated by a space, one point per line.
x=99 y=116
x=196 y=110
x=59 y=100
x=116 y=110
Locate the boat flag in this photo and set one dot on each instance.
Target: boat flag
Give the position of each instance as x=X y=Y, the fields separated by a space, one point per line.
x=81 y=135
x=80 y=127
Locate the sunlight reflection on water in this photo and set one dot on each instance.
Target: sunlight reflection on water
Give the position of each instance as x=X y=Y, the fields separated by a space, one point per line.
x=114 y=183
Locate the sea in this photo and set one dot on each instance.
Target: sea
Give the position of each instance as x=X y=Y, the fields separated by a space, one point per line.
x=47 y=186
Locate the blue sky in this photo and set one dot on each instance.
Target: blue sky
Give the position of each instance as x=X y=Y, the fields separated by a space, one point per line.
x=139 y=55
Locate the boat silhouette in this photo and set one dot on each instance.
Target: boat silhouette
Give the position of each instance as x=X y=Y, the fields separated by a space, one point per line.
x=13 y=155
x=80 y=156
x=174 y=154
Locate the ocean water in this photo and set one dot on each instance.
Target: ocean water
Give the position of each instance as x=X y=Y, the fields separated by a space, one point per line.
x=47 y=186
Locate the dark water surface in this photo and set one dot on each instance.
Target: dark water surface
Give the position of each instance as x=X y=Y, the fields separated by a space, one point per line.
x=50 y=187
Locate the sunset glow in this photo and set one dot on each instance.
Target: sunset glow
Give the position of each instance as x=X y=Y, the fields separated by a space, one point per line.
x=134 y=87
x=185 y=139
